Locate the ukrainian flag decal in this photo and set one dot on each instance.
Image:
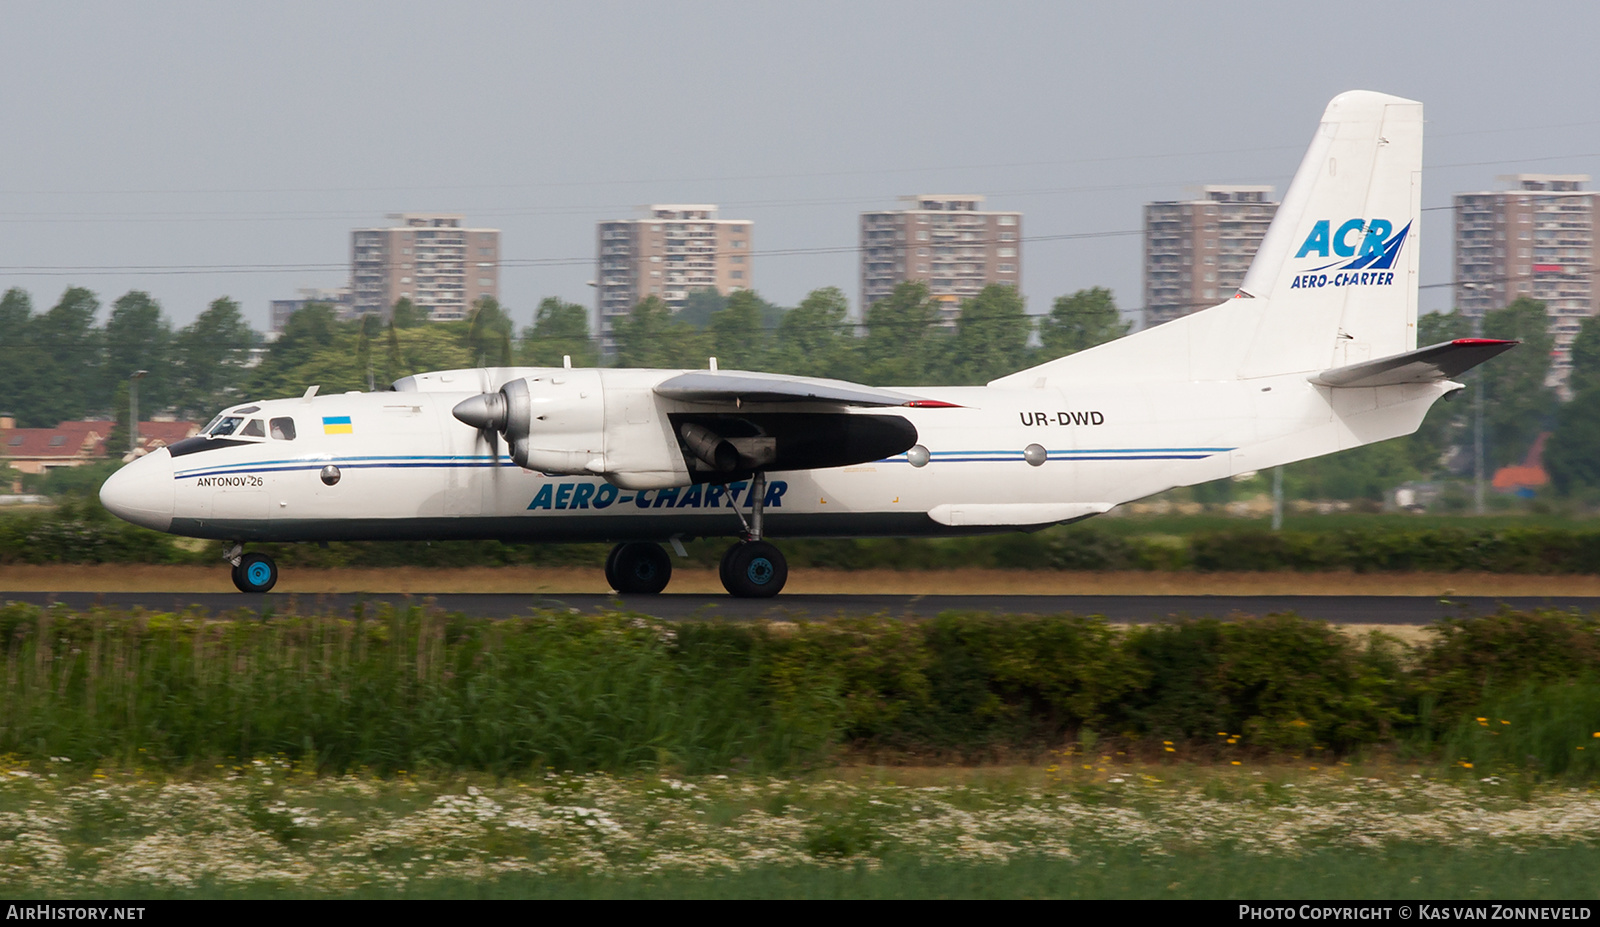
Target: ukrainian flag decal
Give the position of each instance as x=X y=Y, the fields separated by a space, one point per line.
x=336 y=425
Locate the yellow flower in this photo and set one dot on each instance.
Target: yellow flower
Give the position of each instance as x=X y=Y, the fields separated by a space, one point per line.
x=1504 y=721
x=1483 y=720
x=1169 y=750
x=1236 y=762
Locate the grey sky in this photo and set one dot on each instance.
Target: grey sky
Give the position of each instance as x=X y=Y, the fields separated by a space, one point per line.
x=203 y=136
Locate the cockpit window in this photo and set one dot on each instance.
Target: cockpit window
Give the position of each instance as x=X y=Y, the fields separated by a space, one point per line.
x=227 y=426
x=283 y=429
x=253 y=429
x=210 y=425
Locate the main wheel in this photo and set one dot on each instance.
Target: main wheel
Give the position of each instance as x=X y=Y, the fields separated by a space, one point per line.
x=754 y=570
x=640 y=568
x=611 y=566
x=255 y=573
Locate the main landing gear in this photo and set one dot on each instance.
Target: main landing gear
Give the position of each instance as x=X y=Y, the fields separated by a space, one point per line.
x=750 y=569
x=638 y=568
x=252 y=572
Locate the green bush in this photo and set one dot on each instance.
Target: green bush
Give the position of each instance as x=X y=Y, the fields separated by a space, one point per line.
x=1280 y=681
x=1471 y=657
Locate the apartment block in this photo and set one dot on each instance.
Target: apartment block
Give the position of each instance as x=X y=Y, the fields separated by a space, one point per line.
x=1535 y=239
x=1196 y=252
x=673 y=249
x=948 y=242
x=428 y=258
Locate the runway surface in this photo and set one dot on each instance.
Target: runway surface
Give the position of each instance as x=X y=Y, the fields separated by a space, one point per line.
x=1414 y=610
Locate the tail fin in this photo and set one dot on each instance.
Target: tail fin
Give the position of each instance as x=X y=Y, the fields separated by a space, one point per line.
x=1333 y=283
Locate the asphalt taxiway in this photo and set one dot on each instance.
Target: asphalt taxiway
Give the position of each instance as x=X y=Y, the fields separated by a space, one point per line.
x=1341 y=609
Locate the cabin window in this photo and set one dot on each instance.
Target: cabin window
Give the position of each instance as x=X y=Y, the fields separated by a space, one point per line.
x=228 y=425
x=254 y=429
x=283 y=429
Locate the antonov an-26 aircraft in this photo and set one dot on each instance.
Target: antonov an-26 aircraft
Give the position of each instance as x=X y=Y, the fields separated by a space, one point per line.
x=1316 y=353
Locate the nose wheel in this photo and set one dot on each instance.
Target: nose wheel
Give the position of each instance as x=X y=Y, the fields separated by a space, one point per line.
x=255 y=573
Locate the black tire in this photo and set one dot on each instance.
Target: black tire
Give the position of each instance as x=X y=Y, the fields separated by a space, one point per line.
x=611 y=565
x=641 y=568
x=255 y=573
x=722 y=568
x=754 y=570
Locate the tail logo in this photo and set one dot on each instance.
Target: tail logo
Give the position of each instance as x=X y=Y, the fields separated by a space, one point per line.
x=1375 y=253
x=1376 y=250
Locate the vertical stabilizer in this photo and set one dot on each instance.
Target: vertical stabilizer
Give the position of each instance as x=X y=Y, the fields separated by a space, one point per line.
x=1333 y=283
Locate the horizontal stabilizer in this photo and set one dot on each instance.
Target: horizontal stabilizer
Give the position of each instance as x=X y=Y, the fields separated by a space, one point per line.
x=1019 y=514
x=1443 y=361
x=744 y=386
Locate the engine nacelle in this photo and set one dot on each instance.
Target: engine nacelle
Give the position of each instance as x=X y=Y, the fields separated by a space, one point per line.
x=553 y=422
x=564 y=421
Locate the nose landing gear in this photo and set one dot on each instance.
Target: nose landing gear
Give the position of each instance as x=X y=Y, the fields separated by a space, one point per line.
x=252 y=572
x=752 y=568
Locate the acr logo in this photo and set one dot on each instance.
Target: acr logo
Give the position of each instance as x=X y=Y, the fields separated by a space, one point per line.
x=1367 y=242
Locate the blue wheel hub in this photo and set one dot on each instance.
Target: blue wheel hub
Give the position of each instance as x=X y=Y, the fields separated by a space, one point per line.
x=258 y=574
x=759 y=571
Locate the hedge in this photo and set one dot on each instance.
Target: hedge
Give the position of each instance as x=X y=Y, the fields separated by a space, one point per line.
x=411 y=689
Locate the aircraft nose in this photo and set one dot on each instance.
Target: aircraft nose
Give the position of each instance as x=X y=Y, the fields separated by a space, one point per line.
x=142 y=491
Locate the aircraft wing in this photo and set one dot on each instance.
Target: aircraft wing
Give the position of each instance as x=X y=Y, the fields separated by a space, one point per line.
x=1443 y=361
x=745 y=386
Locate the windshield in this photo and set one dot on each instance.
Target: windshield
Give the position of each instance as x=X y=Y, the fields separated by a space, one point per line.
x=226 y=426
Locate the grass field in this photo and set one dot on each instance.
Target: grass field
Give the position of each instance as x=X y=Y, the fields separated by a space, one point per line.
x=569 y=580
x=1067 y=829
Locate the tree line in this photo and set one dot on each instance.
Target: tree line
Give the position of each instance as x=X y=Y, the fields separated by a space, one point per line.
x=61 y=363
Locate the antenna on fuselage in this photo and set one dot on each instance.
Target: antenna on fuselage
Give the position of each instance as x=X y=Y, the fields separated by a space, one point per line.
x=312 y=391
x=566 y=361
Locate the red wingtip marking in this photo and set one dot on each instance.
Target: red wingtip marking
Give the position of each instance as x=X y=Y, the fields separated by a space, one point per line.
x=931 y=404
x=1483 y=341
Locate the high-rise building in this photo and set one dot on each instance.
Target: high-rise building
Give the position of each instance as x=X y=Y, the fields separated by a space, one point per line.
x=427 y=258
x=1196 y=252
x=675 y=248
x=948 y=242
x=1535 y=239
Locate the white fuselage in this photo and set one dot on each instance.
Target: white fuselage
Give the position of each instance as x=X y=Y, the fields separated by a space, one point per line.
x=408 y=470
